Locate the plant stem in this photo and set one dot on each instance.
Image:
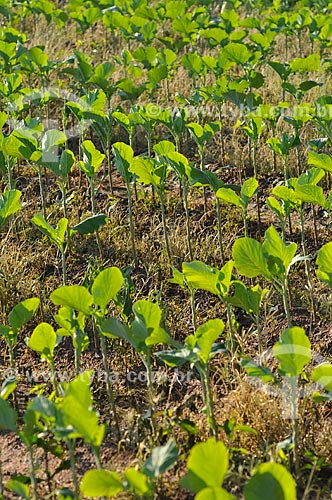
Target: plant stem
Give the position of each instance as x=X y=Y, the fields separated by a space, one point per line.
x=306 y=263
x=149 y=379
x=71 y=448
x=286 y=302
x=110 y=393
x=295 y=433
x=193 y=308
x=208 y=400
x=163 y=217
x=41 y=190
x=220 y=231
x=64 y=267
x=32 y=473
x=230 y=326
x=131 y=225
x=186 y=209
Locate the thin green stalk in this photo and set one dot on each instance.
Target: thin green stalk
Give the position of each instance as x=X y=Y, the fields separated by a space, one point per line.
x=131 y=226
x=230 y=326
x=295 y=432
x=306 y=263
x=258 y=329
x=221 y=246
x=201 y=156
x=1 y=478
x=285 y=299
x=186 y=209
x=32 y=473
x=110 y=393
x=149 y=379
x=64 y=267
x=209 y=405
x=92 y=195
x=41 y=190
x=163 y=217
x=71 y=448
x=193 y=308
x=254 y=150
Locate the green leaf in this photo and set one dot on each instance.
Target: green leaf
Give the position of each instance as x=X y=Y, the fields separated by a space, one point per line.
x=43 y=340
x=23 y=312
x=320 y=160
x=207 y=465
x=275 y=246
x=8 y=386
x=106 y=286
x=206 y=335
x=305 y=64
x=8 y=416
x=74 y=296
x=255 y=370
x=177 y=358
x=123 y=156
x=91 y=224
x=56 y=235
x=200 y=276
x=101 y=483
x=92 y=158
x=237 y=53
x=249 y=189
x=293 y=351
x=322 y=374
x=144 y=168
x=228 y=196
x=249 y=258
x=161 y=459
x=324 y=263
x=9 y=204
x=19 y=488
x=52 y=139
x=137 y=481
x=272 y=481
x=214 y=493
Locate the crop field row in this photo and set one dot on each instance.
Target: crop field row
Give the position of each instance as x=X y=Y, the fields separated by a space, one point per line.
x=165 y=252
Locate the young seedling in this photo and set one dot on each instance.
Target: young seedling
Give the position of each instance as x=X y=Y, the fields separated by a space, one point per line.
x=198 y=275
x=9 y=205
x=250 y=300
x=248 y=190
x=62 y=234
x=92 y=159
x=197 y=350
x=143 y=334
x=18 y=317
x=123 y=156
x=273 y=259
x=44 y=341
x=150 y=173
x=293 y=351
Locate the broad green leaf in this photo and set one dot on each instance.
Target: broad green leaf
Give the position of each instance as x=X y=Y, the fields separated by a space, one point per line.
x=308 y=193
x=228 y=196
x=249 y=188
x=8 y=416
x=161 y=459
x=9 y=204
x=255 y=370
x=293 y=351
x=19 y=488
x=106 y=286
x=178 y=278
x=322 y=374
x=43 y=340
x=324 y=263
x=74 y=296
x=305 y=64
x=23 y=312
x=248 y=299
x=200 y=276
x=249 y=258
x=92 y=158
x=272 y=481
x=206 y=335
x=112 y=328
x=214 y=493
x=52 y=139
x=56 y=235
x=237 y=53
x=123 y=156
x=144 y=168
x=274 y=245
x=101 y=483
x=276 y=207
x=177 y=358
x=147 y=323
x=207 y=465
x=91 y=224
x=137 y=481
x=320 y=160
